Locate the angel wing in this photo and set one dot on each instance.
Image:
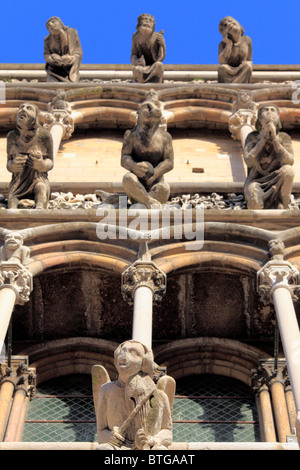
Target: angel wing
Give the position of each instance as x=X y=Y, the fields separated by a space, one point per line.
x=100 y=377
x=168 y=385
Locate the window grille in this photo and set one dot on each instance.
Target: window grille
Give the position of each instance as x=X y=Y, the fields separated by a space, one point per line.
x=207 y=408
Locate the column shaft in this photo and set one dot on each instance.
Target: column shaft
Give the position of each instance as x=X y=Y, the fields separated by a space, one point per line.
x=56 y=131
x=6 y=393
x=244 y=131
x=142 y=315
x=18 y=436
x=280 y=411
x=290 y=336
x=291 y=409
x=267 y=415
x=15 y=415
x=7 y=302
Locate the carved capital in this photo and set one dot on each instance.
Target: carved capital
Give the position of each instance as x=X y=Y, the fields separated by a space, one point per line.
x=242 y=117
x=15 y=276
x=20 y=375
x=277 y=273
x=266 y=375
x=143 y=274
x=62 y=117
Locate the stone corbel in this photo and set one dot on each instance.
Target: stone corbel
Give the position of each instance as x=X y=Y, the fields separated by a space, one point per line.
x=63 y=118
x=240 y=119
x=243 y=118
x=143 y=274
x=60 y=113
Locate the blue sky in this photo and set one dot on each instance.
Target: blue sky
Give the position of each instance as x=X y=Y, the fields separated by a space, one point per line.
x=190 y=26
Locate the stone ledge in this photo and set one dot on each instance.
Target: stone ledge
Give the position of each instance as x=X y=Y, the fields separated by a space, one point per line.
x=182 y=446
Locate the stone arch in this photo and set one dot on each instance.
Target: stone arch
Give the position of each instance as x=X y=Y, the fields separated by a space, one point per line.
x=219 y=356
x=69 y=356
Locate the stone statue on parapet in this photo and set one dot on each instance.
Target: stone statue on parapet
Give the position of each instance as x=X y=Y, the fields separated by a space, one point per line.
x=147 y=154
x=62 y=52
x=235 y=53
x=268 y=154
x=13 y=250
x=133 y=412
x=29 y=158
x=148 y=51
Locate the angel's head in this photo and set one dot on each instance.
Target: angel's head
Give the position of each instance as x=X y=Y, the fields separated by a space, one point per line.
x=132 y=357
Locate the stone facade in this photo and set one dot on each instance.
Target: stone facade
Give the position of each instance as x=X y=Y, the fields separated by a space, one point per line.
x=209 y=305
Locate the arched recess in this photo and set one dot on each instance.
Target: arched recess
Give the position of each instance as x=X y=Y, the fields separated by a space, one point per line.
x=69 y=356
x=219 y=356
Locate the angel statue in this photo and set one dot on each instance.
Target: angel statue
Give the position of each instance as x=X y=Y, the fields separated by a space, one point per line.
x=132 y=412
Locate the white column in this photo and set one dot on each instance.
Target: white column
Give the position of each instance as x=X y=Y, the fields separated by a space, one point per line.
x=8 y=298
x=142 y=285
x=289 y=334
x=278 y=281
x=142 y=315
x=57 y=132
x=15 y=287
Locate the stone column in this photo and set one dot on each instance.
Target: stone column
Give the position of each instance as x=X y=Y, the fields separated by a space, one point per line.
x=278 y=282
x=59 y=120
x=143 y=283
x=267 y=425
x=17 y=385
x=16 y=283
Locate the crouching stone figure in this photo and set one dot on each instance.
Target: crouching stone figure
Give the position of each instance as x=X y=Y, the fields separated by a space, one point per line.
x=268 y=153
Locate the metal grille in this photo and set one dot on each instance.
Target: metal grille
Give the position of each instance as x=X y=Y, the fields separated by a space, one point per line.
x=62 y=411
x=212 y=408
x=206 y=408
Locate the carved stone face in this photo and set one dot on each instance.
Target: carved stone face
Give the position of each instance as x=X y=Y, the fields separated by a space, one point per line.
x=129 y=358
x=230 y=26
x=26 y=116
x=146 y=24
x=13 y=241
x=269 y=113
x=54 y=25
x=149 y=113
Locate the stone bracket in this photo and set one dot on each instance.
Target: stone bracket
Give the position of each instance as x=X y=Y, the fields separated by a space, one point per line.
x=62 y=117
x=242 y=117
x=17 y=277
x=275 y=273
x=143 y=274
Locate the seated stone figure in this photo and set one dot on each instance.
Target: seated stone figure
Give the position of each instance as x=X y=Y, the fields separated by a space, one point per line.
x=235 y=53
x=148 y=51
x=269 y=156
x=133 y=413
x=29 y=158
x=147 y=153
x=62 y=52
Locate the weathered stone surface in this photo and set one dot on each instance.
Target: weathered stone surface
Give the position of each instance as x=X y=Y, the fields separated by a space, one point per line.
x=148 y=51
x=148 y=154
x=29 y=158
x=235 y=53
x=132 y=412
x=269 y=156
x=62 y=52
